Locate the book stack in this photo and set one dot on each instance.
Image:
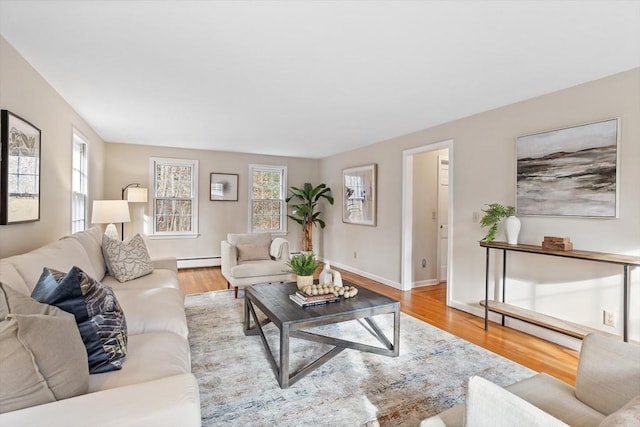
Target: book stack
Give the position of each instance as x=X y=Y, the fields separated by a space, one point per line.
x=557 y=243
x=306 y=300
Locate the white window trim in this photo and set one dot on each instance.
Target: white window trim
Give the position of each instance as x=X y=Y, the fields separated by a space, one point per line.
x=152 y=233
x=78 y=138
x=283 y=192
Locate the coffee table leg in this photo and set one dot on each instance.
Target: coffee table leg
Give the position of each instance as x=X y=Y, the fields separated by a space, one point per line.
x=284 y=357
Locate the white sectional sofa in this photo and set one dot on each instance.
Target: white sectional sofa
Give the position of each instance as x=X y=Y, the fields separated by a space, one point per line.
x=155 y=386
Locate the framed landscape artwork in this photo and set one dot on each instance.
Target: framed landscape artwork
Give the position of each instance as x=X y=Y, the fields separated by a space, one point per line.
x=359 y=195
x=19 y=170
x=224 y=187
x=569 y=172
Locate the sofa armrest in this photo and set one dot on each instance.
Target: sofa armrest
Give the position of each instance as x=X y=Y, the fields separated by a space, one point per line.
x=229 y=258
x=166 y=402
x=168 y=263
x=279 y=249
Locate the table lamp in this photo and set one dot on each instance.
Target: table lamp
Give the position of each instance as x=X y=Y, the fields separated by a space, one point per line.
x=108 y=212
x=135 y=194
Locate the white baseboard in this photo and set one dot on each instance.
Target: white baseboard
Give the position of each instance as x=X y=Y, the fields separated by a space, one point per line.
x=365 y=274
x=422 y=283
x=199 y=262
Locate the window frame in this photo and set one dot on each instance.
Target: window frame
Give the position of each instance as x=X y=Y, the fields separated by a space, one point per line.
x=283 y=193
x=78 y=139
x=153 y=232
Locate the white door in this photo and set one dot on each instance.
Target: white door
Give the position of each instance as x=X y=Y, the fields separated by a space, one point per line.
x=443 y=216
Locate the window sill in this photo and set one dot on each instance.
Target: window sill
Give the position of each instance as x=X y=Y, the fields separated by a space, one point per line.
x=173 y=236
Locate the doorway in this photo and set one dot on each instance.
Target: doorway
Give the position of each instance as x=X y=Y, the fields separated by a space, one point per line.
x=437 y=186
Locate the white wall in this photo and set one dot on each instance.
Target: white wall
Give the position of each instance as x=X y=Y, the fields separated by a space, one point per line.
x=484 y=171
x=24 y=92
x=128 y=163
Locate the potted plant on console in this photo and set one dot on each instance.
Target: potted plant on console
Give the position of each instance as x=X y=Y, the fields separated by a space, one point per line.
x=303 y=266
x=304 y=212
x=493 y=215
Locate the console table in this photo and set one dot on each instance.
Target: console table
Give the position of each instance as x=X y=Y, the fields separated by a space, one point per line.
x=549 y=322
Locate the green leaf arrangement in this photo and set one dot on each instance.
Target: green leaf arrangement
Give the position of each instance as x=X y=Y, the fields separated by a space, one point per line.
x=308 y=197
x=303 y=264
x=492 y=217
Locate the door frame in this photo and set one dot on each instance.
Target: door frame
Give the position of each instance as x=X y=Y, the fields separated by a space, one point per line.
x=406 y=270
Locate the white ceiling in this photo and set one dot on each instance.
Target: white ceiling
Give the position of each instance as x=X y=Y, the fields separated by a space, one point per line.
x=310 y=78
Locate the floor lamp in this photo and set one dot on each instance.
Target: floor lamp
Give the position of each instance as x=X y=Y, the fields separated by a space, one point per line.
x=135 y=194
x=110 y=212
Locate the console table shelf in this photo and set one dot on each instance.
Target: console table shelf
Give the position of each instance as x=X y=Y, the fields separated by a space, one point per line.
x=543 y=320
x=549 y=322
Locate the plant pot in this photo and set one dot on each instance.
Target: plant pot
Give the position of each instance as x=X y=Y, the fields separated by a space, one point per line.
x=304 y=281
x=512 y=229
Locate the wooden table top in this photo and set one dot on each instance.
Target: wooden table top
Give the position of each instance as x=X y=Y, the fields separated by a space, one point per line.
x=274 y=299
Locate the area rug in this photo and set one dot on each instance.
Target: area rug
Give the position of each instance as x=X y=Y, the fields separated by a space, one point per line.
x=239 y=388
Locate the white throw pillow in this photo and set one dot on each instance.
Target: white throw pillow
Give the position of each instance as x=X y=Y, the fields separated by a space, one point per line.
x=627 y=416
x=126 y=260
x=489 y=404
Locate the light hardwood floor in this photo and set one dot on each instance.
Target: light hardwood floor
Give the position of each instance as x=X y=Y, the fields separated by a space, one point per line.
x=428 y=304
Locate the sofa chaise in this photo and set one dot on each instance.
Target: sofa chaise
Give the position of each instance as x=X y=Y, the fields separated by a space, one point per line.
x=155 y=385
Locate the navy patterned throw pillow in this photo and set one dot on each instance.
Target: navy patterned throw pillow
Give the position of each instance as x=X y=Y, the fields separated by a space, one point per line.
x=98 y=315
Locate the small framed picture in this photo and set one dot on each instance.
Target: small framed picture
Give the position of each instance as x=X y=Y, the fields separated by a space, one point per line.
x=359 y=195
x=224 y=187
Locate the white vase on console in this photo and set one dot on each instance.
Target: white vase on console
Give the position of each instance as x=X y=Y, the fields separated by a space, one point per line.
x=512 y=229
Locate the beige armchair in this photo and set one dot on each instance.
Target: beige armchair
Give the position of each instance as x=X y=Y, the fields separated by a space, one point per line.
x=252 y=258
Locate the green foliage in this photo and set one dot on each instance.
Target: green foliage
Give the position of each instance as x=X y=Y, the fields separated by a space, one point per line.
x=308 y=197
x=303 y=264
x=492 y=217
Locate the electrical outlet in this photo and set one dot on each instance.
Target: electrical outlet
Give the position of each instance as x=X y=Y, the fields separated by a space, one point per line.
x=424 y=263
x=609 y=318
x=355 y=254
x=475 y=216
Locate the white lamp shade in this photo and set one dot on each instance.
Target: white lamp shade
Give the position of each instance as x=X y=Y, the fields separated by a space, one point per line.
x=137 y=195
x=110 y=211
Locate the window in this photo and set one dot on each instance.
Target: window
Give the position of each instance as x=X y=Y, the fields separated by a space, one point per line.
x=267 y=192
x=175 y=197
x=79 y=184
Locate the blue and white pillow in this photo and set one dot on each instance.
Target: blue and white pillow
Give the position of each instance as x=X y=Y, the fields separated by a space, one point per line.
x=99 y=317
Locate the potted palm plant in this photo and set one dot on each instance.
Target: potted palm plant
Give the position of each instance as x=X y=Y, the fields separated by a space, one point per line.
x=304 y=211
x=493 y=215
x=303 y=266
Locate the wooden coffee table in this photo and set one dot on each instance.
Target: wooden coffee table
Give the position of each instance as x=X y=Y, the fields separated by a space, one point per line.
x=273 y=301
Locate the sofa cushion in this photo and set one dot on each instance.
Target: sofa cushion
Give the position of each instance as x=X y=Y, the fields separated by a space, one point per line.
x=627 y=416
x=91 y=241
x=488 y=404
x=151 y=356
x=126 y=260
x=10 y=276
x=259 y=268
x=43 y=357
x=608 y=373
x=153 y=310
x=98 y=315
x=60 y=255
x=253 y=252
x=166 y=402
x=556 y=398
x=157 y=279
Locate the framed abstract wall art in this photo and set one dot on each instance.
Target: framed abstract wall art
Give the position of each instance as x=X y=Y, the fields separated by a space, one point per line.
x=569 y=172
x=19 y=170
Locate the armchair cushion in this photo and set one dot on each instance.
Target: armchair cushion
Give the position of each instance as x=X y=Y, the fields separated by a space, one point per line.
x=608 y=373
x=252 y=252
